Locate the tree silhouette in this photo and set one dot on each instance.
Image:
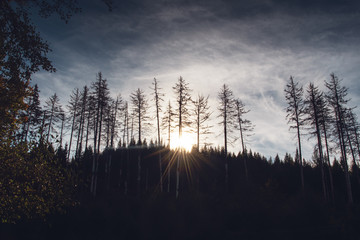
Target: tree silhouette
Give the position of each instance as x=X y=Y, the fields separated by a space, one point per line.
x=313 y=108
x=202 y=114
x=295 y=113
x=73 y=110
x=336 y=96
x=244 y=126
x=54 y=111
x=158 y=99
x=140 y=106
x=183 y=98
x=226 y=109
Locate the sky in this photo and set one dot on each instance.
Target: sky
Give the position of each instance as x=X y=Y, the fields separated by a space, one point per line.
x=253 y=46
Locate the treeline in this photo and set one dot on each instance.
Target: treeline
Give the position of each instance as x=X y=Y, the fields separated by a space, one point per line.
x=326 y=117
x=107 y=151
x=93 y=118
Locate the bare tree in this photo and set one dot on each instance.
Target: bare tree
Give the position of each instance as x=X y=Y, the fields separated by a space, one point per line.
x=202 y=114
x=295 y=114
x=183 y=98
x=337 y=98
x=139 y=110
x=54 y=109
x=226 y=109
x=167 y=124
x=101 y=99
x=167 y=121
x=245 y=128
x=83 y=112
x=73 y=110
x=313 y=109
x=158 y=99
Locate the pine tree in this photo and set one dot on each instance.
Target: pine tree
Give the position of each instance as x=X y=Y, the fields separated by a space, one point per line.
x=140 y=106
x=53 y=110
x=167 y=122
x=336 y=96
x=313 y=108
x=295 y=114
x=244 y=126
x=158 y=99
x=101 y=100
x=226 y=109
x=183 y=98
x=73 y=108
x=202 y=114
x=34 y=113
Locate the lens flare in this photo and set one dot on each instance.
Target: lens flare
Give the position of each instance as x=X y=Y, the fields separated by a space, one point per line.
x=186 y=142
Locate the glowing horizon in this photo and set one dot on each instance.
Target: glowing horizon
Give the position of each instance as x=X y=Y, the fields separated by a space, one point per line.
x=186 y=142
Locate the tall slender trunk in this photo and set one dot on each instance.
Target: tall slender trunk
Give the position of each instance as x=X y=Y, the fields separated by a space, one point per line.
x=300 y=160
x=62 y=128
x=139 y=173
x=225 y=146
x=51 y=118
x=72 y=129
x=243 y=149
x=329 y=165
x=344 y=157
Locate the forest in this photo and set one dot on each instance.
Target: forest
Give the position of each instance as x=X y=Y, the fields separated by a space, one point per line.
x=86 y=171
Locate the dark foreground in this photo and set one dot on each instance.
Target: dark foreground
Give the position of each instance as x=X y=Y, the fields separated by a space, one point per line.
x=194 y=216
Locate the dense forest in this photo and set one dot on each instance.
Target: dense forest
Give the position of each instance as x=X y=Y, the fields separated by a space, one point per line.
x=86 y=171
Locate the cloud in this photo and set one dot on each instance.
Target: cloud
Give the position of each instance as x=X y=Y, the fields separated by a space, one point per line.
x=253 y=46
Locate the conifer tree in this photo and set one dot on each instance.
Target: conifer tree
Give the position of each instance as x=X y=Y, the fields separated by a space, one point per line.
x=313 y=108
x=244 y=126
x=202 y=115
x=158 y=99
x=183 y=98
x=53 y=110
x=336 y=96
x=295 y=114
x=140 y=106
x=34 y=113
x=73 y=108
x=227 y=116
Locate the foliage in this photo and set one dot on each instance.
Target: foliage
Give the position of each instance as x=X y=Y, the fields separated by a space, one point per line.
x=33 y=183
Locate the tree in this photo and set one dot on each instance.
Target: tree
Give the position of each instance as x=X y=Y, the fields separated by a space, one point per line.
x=244 y=126
x=336 y=96
x=226 y=109
x=33 y=113
x=158 y=99
x=101 y=100
x=54 y=111
x=73 y=110
x=183 y=98
x=295 y=114
x=139 y=109
x=313 y=107
x=167 y=121
x=202 y=114
x=22 y=53
x=83 y=116
x=325 y=121
x=125 y=110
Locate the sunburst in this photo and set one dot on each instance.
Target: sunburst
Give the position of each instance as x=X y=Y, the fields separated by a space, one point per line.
x=185 y=142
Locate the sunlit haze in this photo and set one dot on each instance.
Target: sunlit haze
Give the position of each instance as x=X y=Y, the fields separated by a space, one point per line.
x=186 y=142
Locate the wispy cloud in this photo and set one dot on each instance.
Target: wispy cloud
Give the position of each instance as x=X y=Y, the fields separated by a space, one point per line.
x=253 y=47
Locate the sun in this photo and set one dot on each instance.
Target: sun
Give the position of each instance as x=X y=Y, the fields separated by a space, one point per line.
x=186 y=142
